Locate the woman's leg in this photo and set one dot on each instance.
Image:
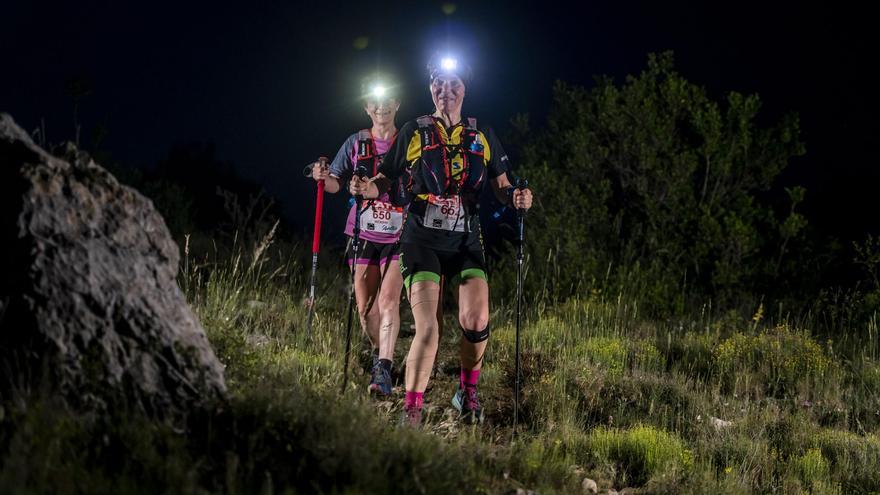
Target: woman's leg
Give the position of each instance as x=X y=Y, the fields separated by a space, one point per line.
x=389 y=309
x=473 y=316
x=423 y=298
x=420 y=268
x=389 y=325
x=366 y=288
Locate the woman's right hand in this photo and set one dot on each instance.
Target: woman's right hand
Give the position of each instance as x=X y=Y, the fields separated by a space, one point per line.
x=320 y=170
x=362 y=187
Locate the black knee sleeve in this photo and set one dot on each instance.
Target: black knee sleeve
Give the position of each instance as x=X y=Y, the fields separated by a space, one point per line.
x=476 y=337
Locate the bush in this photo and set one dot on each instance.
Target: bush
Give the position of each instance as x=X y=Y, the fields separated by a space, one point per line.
x=614 y=355
x=779 y=362
x=664 y=401
x=812 y=467
x=666 y=185
x=638 y=454
x=854 y=459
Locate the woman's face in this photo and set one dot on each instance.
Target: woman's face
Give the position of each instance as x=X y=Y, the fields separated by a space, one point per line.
x=447 y=91
x=382 y=111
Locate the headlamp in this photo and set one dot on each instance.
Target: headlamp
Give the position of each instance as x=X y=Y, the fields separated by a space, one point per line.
x=449 y=64
x=379 y=91
x=378 y=88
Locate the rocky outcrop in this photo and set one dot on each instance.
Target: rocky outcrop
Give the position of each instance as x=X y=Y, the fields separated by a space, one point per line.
x=90 y=308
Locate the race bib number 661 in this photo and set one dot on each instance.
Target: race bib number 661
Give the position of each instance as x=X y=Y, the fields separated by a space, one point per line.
x=445 y=214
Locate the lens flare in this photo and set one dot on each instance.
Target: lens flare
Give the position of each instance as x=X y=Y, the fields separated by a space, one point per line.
x=379 y=91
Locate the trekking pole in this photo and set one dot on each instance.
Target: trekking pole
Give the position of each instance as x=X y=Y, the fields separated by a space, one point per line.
x=520 y=228
x=316 y=243
x=361 y=172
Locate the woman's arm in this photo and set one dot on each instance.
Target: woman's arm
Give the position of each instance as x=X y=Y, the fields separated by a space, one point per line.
x=499 y=187
x=394 y=162
x=504 y=191
x=340 y=167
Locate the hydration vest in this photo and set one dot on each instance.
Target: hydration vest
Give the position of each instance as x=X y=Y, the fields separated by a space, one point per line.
x=366 y=153
x=368 y=158
x=433 y=173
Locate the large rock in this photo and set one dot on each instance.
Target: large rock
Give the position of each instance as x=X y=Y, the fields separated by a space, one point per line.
x=90 y=309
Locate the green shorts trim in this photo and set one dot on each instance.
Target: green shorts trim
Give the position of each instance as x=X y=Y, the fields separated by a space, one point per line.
x=420 y=263
x=421 y=277
x=433 y=277
x=468 y=273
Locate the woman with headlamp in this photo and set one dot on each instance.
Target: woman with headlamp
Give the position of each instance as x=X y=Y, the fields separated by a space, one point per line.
x=377 y=275
x=445 y=160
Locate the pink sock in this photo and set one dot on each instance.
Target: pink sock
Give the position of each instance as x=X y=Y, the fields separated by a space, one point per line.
x=413 y=400
x=469 y=377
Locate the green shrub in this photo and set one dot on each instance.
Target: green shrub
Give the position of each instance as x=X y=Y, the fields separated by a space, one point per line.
x=779 y=361
x=812 y=467
x=854 y=459
x=639 y=454
x=666 y=184
x=615 y=355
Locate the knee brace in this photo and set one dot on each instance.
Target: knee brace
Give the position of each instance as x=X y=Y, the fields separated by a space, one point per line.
x=476 y=337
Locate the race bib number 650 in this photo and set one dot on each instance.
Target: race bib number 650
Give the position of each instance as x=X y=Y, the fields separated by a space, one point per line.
x=382 y=217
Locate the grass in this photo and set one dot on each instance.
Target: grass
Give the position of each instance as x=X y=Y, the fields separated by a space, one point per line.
x=720 y=403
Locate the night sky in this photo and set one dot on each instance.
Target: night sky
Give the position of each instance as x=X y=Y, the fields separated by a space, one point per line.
x=275 y=85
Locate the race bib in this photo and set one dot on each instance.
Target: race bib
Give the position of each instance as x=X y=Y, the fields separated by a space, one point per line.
x=445 y=214
x=383 y=218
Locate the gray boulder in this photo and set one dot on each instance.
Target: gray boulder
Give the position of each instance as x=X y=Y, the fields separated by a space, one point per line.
x=90 y=309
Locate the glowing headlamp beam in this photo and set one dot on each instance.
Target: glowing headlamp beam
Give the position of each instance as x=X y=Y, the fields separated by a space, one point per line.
x=379 y=91
x=449 y=64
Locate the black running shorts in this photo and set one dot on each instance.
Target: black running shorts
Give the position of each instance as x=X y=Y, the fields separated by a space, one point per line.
x=373 y=253
x=421 y=263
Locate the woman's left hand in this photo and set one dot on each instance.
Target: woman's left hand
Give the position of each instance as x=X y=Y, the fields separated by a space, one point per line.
x=522 y=199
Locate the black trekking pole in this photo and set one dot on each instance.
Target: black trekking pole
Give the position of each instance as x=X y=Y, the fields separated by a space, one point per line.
x=520 y=217
x=361 y=172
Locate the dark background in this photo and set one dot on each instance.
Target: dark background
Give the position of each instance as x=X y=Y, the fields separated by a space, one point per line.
x=275 y=85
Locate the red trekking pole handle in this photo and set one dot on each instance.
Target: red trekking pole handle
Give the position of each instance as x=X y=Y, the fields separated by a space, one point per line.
x=319 y=209
x=316 y=239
